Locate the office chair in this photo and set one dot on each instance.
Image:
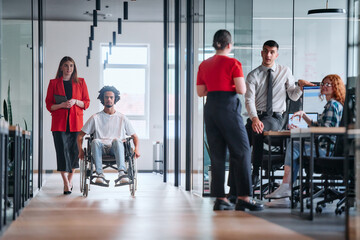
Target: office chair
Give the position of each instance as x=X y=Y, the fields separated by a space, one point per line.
x=278 y=150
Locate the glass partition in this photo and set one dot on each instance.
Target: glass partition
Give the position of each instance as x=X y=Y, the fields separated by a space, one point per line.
x=218 y=15
x=16 y=75
x=319 y=41
x=170 y=93
x=352 y=118
x=198 y=146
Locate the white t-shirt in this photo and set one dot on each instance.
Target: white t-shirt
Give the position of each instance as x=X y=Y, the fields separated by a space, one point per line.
x=108 y=127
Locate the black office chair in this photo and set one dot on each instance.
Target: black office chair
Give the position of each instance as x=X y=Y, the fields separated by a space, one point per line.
x=331 y=168
x=278 y=150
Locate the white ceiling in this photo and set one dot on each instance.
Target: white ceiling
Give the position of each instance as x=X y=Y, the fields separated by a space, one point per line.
x=73 y=10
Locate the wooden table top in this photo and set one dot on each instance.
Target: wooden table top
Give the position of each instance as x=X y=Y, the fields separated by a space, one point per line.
x=277 y=133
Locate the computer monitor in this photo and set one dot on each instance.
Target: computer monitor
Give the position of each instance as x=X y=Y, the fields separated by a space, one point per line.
x=301 y=123
x=311 y=100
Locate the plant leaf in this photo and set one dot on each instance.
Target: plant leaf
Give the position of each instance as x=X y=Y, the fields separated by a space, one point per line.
x=5 y=110
x=25 y=125
x=9 y=106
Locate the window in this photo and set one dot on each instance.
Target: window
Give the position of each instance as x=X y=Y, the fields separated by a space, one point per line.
x=127 y=69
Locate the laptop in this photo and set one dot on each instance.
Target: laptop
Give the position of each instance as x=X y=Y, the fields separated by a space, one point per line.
x=301 y=123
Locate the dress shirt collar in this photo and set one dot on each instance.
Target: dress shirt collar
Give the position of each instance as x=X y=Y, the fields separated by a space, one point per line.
x=265 y=69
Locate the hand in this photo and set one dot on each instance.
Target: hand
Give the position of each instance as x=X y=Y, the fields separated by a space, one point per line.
x=303 y=83
x=65 y=104
x=299 y=114
x=292 y=126
x=257 y=125
x=81 y=154
x=72 y=102
x=137 y=153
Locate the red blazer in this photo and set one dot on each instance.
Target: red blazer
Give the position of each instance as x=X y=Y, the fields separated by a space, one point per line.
x=59 y=117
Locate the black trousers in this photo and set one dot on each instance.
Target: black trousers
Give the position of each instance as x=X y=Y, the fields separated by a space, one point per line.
x=225 y=129
x=273 y=122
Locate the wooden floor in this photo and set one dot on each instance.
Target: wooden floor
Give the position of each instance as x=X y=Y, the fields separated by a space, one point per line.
x=159 y=211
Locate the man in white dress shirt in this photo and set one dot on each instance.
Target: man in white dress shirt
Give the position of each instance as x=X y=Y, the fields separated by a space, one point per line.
x=265 y=100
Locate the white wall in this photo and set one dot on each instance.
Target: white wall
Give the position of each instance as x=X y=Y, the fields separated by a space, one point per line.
x=72 y=39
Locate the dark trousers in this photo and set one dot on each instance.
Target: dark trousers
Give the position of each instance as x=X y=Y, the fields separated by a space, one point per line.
x=273 y=122
x=225 y=129
x=66 y=150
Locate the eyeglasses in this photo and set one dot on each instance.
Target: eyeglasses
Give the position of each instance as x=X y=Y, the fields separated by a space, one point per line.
x=326 y=84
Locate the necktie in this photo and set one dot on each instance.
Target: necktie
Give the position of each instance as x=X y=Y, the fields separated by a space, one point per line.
x=269 y=109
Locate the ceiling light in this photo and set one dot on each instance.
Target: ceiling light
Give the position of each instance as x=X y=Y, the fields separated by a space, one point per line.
x=327 y=10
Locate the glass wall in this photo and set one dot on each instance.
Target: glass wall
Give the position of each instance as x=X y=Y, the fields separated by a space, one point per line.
x=16 y=74
x=218 y=15
x=170 y=93
x=198 y=135
x=312 y=46
x=353 y=125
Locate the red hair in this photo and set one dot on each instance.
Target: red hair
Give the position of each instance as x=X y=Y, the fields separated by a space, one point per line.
x=338 y=87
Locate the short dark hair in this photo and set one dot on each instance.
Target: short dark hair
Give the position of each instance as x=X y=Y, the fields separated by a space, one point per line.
x=108 y=89
x=221 y=39
x=271 y=43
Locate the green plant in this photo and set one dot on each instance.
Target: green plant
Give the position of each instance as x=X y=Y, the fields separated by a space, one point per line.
x=7 y=108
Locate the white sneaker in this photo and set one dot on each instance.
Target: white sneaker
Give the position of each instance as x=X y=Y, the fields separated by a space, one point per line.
x=123 y=179
x=279 y=203
x=282 y=191
x=100 y=178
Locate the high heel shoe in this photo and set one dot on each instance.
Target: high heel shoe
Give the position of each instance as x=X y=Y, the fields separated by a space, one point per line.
x=67 y=192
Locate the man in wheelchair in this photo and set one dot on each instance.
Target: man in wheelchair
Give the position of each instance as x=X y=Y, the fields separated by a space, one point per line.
x=108 y=127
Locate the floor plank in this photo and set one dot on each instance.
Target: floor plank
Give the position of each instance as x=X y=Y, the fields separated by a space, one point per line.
x=159 y=211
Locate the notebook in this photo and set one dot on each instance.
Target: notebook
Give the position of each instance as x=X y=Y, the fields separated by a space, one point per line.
x=59 y=99
x=302 y=124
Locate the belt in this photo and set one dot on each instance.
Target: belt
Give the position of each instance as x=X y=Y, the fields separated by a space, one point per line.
x=264 y=112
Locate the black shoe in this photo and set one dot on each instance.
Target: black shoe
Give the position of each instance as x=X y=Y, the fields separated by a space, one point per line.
x=221 y=205
x=232 y=198
x=252 y=205
x=255 y=180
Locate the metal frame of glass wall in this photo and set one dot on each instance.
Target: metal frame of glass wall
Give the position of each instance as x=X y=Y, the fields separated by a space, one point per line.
x=175 y=7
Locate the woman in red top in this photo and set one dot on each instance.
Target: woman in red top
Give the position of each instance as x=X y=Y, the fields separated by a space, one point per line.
x=220 y=78
x=67 y=117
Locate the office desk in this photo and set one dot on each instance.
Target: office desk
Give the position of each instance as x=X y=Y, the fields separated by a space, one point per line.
x=310 y=134
x=270 y=135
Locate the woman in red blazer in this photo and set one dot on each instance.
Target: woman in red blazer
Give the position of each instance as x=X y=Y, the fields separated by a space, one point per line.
x=67 y=97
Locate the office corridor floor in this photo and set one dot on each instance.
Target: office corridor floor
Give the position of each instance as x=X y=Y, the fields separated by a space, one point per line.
x=159 y=211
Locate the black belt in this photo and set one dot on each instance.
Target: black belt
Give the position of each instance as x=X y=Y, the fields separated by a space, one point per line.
x=265 y=113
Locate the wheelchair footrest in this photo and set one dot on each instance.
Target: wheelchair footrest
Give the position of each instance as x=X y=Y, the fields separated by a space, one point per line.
x=119 y=183
x=104 y=184
x=100 y=184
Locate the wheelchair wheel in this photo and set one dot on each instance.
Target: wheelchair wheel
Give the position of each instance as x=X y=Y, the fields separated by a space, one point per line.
x=132 y=176
x=85 y=173
x=135 y=174
x=82 y=173
x=86 y=190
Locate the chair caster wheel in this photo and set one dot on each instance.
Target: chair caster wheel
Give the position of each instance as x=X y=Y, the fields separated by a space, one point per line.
x=318 y=209
x=338 y=211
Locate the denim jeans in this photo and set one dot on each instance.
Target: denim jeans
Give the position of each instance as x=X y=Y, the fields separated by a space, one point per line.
x=296 y=155
x=116 y=149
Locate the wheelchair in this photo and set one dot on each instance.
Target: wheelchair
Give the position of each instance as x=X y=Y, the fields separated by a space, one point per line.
x=87 y=168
